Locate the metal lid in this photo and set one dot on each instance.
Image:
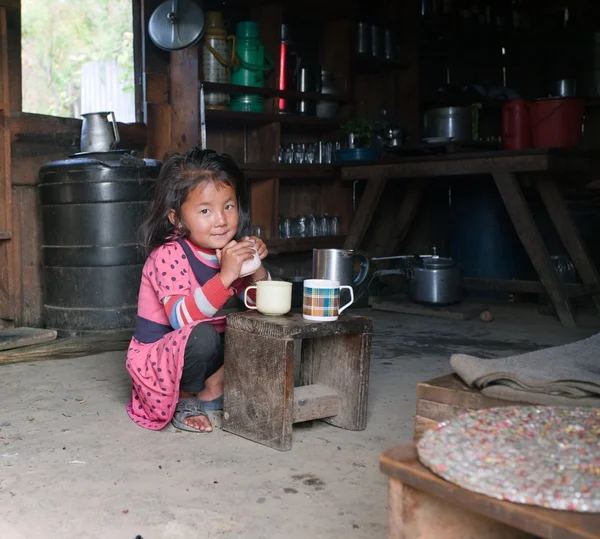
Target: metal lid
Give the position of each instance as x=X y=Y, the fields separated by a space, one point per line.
x=176 y=24
x=436 y=262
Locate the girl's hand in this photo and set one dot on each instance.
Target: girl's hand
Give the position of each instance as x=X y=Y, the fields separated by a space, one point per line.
x=260 y=246
x=231 y=258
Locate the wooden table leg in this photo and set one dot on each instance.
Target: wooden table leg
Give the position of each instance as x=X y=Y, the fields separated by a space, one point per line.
x=527 y=229
x=364 y=212
x=416 y=515
x=406 y=214
x=259 y=388
x=568 y=233
x=341 y=363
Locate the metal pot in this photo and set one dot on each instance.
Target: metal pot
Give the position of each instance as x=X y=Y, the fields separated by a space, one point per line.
x=458 y=123
x=436 y=281
x=338 y=265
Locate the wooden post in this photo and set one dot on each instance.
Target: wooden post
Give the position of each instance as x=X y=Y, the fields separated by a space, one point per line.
x=529 y=234
x=567 y=231
x=8 y=263
x=185 y=99
x=405 y=215
x=365 y=211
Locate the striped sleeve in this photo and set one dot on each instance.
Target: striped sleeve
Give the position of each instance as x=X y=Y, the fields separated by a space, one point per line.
x=240 y=286
x=202 y=304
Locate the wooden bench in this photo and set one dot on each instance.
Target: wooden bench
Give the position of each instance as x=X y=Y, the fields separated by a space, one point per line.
x=442 y=398
x=425 y=506
x=260 y=400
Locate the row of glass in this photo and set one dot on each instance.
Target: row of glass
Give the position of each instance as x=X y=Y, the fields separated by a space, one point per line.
x=303 y=153
x=309 y=226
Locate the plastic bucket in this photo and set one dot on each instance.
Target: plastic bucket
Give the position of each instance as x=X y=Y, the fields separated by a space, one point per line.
x=556 y=123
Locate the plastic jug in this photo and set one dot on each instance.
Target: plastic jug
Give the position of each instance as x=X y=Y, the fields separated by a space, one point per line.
x=254 y=62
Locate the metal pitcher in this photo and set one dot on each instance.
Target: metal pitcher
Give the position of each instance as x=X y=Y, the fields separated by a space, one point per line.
x=338 y=265
x=97 y=133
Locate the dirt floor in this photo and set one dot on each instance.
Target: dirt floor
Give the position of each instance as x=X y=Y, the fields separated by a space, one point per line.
x=73 y=465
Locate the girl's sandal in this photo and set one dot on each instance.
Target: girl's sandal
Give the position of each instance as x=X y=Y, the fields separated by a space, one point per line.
x=188 y=407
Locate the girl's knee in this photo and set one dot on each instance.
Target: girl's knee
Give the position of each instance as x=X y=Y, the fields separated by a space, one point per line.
x=206 y=335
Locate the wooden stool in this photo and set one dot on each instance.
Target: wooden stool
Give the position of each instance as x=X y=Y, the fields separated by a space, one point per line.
x=260 y=401
x=443 y=398
x=425 y=506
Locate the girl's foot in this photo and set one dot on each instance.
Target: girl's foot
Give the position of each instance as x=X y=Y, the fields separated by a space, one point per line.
x=188 y=404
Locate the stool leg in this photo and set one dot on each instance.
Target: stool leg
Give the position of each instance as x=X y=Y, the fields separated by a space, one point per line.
x=414 y=514
x=259 y=388
x=342 y=363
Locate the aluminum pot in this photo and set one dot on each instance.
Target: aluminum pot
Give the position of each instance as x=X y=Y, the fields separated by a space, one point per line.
x=458 y=123
x=436 y=281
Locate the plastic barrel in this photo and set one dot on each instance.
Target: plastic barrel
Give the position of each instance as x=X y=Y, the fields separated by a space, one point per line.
x=483 y=239
x=91 y=211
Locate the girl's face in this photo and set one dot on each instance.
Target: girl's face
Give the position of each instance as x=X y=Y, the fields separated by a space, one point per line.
x=210 y=214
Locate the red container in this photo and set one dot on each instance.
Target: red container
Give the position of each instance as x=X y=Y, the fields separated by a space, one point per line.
x=516 y=128
x=556 y=123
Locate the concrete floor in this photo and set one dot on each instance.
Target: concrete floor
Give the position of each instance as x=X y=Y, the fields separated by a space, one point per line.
x=72 y=464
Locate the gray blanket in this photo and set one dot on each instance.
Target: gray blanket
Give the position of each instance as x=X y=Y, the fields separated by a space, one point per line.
x=561 y=375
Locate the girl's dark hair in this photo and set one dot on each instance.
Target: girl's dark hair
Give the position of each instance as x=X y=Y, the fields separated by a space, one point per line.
x=181 y=173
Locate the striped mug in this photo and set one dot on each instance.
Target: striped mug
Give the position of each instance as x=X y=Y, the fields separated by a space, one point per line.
x=321 y=300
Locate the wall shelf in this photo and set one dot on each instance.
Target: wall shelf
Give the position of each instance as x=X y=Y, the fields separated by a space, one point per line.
x=259 y=118
x=273 y=92
x=291 y=245
x=283 y=171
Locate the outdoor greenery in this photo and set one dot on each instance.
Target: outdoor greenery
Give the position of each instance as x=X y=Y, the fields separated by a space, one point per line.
x=59 y=37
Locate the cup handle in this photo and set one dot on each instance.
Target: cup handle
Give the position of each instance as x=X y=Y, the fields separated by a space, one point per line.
x=246 y=297
x=342 y=309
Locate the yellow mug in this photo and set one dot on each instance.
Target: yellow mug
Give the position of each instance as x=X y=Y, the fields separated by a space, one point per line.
x=273 y=298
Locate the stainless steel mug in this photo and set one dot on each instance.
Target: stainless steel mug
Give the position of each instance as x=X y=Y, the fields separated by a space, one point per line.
x=97 y=133
x=338 y=265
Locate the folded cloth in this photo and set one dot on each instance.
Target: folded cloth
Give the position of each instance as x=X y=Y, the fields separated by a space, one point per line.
x=560 y=375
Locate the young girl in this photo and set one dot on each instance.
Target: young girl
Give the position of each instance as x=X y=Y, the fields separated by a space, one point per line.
x=195 y=234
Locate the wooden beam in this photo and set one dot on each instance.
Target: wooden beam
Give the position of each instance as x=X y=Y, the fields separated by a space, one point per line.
x=315 y=401
x=11 y=4
x=185 y=99
x=529 y=234
x=159 y=129
x=567 y=231
x=364 y=213
x=473 y=163
x=8 y=264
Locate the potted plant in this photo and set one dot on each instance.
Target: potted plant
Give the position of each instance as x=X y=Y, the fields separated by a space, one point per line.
x=359 y=132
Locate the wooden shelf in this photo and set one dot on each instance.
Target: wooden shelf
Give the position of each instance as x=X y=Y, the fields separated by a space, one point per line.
x=273 y=92
x=296 y=245
x=270 y=117
x=282 y=171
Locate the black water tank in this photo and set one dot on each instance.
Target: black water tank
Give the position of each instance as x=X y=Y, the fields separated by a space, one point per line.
x=92 y=206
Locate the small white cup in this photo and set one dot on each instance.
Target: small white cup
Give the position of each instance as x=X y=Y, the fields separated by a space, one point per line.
x=273 y=298
x=321 y=300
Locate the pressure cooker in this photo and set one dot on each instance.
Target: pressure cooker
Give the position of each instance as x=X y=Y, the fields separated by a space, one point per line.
x=435 y=280
x=432 y=279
